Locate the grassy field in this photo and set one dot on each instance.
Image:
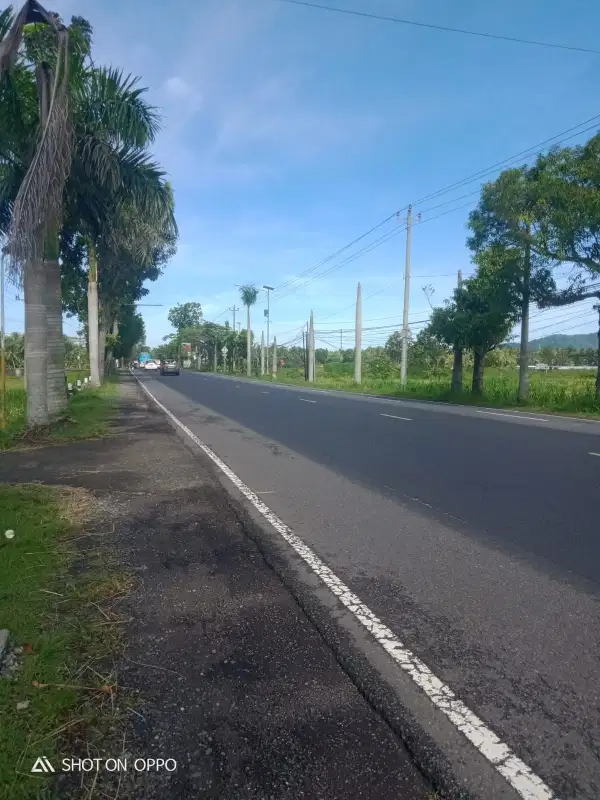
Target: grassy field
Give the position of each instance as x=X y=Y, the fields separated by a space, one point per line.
x=559 y=391
x=88 y=415
x=61 y=687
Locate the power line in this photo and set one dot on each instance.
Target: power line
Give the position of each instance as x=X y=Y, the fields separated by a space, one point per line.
x=523 y=155
x=337 y=253
x=444 y=28
x=567 y=318
x=367 y=248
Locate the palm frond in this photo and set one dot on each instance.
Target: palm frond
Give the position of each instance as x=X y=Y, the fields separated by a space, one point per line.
x=111 y=103
x=7 y=18
x=248 y=294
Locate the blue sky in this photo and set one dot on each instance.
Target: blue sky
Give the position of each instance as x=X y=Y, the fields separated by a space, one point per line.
x=290 y=131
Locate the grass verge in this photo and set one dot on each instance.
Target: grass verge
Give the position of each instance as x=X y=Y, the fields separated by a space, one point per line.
x=88 y=415
x=62 y=618
x=554 y=393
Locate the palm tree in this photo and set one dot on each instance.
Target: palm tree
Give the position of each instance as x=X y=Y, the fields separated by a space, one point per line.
x=108 y=126
x=248 y=294
x=36 y=159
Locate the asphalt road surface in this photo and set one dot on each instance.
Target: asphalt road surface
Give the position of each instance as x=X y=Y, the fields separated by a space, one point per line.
x=474 y=535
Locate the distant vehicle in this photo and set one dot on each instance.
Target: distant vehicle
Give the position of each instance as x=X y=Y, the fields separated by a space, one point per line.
x=169 y=367
x=152 y=364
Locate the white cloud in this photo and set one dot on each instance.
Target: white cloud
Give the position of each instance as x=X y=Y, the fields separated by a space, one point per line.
x=178 y=88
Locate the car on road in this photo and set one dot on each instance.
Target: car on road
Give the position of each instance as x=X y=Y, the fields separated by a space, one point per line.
x=169 y=367
x=152 y=364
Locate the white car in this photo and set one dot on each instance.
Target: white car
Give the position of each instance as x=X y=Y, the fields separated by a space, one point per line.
x=151 y=364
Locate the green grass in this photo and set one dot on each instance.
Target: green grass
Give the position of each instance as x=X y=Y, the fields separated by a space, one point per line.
x=571 y=392
x=51 y=615
x=88 y=415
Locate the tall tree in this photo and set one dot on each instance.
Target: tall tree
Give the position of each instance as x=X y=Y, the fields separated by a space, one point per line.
x=185 y=315
x=109 y=125
x=248 y=295
x=35 y=171
x=482 y=313
x=568 y=186
x=507 y=217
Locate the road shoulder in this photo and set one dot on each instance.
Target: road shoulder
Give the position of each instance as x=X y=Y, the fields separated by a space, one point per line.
x=221 y=669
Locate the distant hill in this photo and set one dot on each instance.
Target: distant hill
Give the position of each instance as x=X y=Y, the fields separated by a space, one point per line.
x=580 y=341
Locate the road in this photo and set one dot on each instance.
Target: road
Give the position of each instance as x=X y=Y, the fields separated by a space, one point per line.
x=473 y=535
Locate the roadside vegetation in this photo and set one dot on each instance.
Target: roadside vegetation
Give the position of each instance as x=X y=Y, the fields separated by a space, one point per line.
x=87 y=415
x=563 y=392
x=58 y=686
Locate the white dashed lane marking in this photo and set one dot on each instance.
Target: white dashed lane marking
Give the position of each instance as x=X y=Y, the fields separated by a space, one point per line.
x=393 y=416
x=303 y=400
x=525 y=782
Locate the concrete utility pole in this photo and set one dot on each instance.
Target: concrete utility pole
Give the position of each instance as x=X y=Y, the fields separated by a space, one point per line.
x=215 y=363
x=268 y=290
x=311 y=349
x=358 y=338
x=460 y=278
x=304 y=363
x=262 y=354
x=524 y=347
x=274 y=357
x=234 y=309
x=341 y=345
x=404 y=362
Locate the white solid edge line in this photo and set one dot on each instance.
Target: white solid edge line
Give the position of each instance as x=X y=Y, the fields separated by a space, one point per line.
x=303 y=400
x=393 y=416
x=525 y=782
x=518 y=415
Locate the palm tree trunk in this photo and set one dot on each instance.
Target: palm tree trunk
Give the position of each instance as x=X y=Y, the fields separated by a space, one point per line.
x=93 y=317
x=101 y=344
x=248 y=345
x=56 y=390
x=35 y=342
x=110 y=356
x=93 y=332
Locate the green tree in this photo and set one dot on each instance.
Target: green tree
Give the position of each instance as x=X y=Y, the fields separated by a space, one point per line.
x=428 y=354
x=481 y=315
x=506 y=223
x=35 y=77
x=248 y=295
x=393 y=346
x=14 y=344
x=185 y=315
x=97 y=166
